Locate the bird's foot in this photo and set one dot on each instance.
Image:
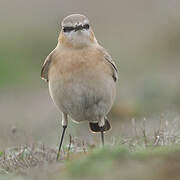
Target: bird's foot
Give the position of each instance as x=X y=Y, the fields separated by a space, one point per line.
x=94 y=127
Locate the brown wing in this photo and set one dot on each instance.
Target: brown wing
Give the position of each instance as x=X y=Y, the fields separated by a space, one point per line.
x=45 y=67
x=108 y=58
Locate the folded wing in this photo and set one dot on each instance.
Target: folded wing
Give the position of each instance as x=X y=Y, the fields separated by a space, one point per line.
x=45 y=67
x=108 y=58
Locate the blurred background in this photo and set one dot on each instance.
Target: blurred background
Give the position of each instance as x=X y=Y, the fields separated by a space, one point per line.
x=143 y=38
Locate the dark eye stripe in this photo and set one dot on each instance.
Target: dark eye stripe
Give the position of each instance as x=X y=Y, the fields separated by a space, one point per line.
x=86 y=26
x=71 y=28
x=68 y=29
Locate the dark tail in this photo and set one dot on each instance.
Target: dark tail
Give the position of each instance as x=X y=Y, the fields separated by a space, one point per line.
x=95 y=127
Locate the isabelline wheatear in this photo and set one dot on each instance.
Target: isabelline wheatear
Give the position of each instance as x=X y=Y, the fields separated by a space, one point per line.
x=81 y=76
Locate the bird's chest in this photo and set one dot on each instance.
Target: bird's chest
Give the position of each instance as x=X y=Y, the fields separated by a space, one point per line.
x=79 y=83
x=82 y=66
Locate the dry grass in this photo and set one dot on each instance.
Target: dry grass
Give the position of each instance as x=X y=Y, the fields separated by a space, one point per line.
x=25 y=157
x=146 y=134
x=148 y=147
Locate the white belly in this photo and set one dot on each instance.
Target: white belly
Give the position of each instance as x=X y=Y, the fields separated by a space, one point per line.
x=83 y=98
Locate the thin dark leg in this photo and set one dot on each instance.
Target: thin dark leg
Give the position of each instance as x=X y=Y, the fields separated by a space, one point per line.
x=62 y=137
x=102 y=136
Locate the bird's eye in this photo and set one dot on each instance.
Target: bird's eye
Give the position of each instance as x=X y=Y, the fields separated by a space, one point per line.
x=86 y=26
x=68 y=29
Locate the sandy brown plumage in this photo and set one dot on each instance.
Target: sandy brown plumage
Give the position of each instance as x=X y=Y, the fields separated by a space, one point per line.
x=94 y=54
x=81 y=76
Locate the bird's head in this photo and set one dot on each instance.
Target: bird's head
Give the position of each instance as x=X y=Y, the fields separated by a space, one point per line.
x=76 y=32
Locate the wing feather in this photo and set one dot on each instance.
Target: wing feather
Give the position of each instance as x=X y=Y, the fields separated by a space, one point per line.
x=45 y=67
x=108 y=58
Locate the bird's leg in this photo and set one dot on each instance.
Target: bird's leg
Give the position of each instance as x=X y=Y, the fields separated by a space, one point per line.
x=102 y=136
x=64 y=125
x=101 y=123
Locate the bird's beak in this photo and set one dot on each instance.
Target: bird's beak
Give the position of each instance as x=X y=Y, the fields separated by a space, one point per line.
x=78 y=28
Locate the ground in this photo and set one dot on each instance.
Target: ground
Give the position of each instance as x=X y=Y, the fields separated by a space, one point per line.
x=146 y=149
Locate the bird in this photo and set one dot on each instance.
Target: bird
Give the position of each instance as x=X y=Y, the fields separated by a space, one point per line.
x=81 y=76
